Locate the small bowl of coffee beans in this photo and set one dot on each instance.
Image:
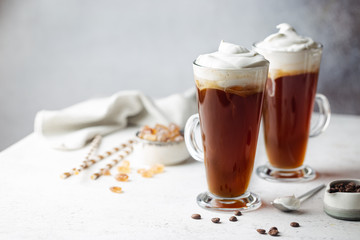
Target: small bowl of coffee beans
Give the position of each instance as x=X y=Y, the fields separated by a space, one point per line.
x=342 y=199
x=161 y=145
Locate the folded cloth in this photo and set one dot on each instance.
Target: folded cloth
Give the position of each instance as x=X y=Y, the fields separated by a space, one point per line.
x=73 y=127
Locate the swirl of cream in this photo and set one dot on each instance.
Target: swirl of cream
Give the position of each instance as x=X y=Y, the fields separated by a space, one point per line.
x=287 y=40
x=231 y=56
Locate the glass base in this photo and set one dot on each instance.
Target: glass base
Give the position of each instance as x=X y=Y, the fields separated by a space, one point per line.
x=246 y=202
x=301 y=174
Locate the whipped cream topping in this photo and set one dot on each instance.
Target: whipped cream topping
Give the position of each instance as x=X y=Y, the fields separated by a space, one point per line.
x=287 y=40
x=231 y=65
x=231 y=56
x=289 y=53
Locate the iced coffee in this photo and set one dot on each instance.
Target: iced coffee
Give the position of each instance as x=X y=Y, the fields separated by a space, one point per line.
x=230 y=85
x=289 y=101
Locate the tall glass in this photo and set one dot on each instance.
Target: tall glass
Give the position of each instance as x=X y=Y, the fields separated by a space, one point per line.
x=229 y=116
x=288 y=105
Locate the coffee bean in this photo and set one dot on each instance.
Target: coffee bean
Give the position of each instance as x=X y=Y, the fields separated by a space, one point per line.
x=273 y=228
x=351 y=184
x=215 y=220
x=233 y=219
x=238 y=213
x=261 y=231
x=295 y=224
x=196 y=216
x=273 y=232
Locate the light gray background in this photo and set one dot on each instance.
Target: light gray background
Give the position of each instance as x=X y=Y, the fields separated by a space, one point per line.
x=54 y=53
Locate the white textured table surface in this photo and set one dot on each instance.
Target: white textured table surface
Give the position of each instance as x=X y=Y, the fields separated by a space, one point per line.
x=36 y=204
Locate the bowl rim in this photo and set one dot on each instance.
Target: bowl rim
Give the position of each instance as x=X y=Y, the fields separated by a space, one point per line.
x=357 y=181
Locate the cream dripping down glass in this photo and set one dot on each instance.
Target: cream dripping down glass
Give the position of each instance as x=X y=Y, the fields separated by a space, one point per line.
x=288 y=103
x=230 y=86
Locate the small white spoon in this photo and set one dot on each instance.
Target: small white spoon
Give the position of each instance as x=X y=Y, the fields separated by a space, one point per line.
x=292 y=203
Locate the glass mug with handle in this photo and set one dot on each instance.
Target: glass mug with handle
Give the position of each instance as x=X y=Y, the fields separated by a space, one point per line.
x=288 y=104
x=224 y=133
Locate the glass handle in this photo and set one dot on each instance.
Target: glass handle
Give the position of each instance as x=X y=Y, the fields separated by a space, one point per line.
x=324 y=118
x=192 y=138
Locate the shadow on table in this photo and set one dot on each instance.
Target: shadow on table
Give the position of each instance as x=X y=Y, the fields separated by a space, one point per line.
x=188 y=161
x=341 y=174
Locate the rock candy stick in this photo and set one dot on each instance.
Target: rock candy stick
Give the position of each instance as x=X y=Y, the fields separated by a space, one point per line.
x=124 y=152
x=89 y=162
x=94 y=145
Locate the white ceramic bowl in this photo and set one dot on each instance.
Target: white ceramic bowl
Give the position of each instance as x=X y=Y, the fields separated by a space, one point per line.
x=342 y=205
x=167 y=153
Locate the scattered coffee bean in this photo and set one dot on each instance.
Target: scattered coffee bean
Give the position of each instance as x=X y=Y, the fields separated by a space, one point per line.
x=295 y=224
x=196 y=216
x=233 y=219
x=273 y=232
x=273 y=228
x=261 y=231
x=238 y=213
x=215 y=220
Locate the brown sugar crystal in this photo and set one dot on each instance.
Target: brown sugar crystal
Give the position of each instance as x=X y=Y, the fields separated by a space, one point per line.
x=116 y=189
x=161 y=133
x=122 y=177
x=147 y=174
x=123 y=169
x=157 y=168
